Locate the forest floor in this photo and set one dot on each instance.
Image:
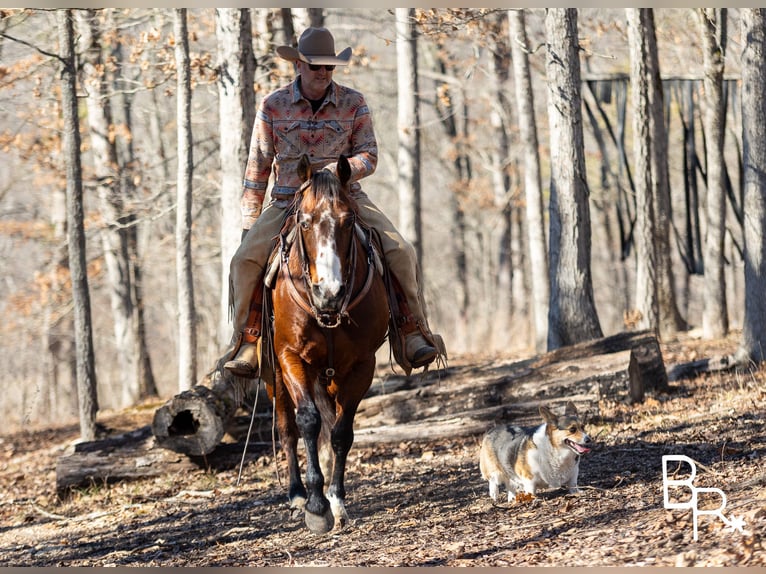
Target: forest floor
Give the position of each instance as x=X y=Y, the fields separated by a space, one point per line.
x=421 y=503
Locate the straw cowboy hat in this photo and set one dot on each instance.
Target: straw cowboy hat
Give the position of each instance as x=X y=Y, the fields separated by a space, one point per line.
x=315 y=46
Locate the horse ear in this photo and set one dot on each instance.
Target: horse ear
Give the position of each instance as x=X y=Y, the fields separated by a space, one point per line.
x=304 y=168
x=343 y=169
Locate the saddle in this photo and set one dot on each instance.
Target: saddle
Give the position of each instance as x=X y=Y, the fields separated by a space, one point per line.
x=396 y=299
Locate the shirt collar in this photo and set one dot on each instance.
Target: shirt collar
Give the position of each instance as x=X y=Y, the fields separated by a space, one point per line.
x=298 y=96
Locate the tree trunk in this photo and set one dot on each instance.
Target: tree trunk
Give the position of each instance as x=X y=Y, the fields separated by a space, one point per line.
x=408 y=158
x=572 y=316
x=135 y=455
x=670 y=319
x=505 y=245
x=753 y=344
x=86 y=372
x=236 y=70
x=114 y=234
x=187 y=328
x=309 y=17
x=533 y=193
x=619 y=368
x=646 y=257
x=715 y=320
x=445 y=103
x=129 y=173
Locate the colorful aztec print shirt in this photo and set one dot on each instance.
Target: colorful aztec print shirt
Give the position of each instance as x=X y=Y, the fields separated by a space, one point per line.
x=286 y=127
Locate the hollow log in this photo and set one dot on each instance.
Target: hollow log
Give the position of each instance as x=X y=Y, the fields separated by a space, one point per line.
x=193 y=422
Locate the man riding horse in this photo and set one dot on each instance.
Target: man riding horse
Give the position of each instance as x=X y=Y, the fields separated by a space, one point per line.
x=316 y=116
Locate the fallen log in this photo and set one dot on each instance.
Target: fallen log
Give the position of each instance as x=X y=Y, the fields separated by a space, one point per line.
x=193 y=422
x=618 y=368
x=706 y=365
x=135 y=455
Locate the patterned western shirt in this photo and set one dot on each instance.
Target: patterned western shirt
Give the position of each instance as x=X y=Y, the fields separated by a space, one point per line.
x=286 y=127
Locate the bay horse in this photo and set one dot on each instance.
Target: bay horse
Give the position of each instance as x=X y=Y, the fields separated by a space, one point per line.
x=330 y=316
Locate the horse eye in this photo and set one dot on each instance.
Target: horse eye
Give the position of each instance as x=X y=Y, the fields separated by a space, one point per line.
x=304 y=222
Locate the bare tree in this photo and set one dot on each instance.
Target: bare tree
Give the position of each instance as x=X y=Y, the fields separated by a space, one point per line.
x=507 y=264
x=187 y=328
x=408 y=159
x=86 y=372
x=448 y=104
x=114 y=235
x=646 y=257
x=533 y=192
x=572 y=316
x=309 y=17
x=236 y=71
x=715 y=320
x=670 y=320
x=753 y=344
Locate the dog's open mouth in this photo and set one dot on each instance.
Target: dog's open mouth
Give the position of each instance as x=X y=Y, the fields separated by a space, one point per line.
x=576 y=446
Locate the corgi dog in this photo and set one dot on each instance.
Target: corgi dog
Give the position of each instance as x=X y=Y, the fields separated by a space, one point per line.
x=525 y=459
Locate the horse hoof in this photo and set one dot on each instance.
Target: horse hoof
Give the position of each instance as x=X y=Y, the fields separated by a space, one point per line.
x=320 y=524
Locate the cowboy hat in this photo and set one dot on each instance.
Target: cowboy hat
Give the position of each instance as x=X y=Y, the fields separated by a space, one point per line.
x=315 y=46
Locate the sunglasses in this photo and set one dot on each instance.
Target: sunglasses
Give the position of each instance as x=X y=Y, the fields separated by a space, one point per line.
x=315 y=67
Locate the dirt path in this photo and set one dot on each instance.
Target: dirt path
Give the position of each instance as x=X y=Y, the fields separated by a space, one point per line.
x=418 y=504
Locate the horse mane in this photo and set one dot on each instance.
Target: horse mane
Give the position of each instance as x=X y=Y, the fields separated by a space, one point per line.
x=326 y=184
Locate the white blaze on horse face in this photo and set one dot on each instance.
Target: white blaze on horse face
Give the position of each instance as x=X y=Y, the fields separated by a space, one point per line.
x=327 y=263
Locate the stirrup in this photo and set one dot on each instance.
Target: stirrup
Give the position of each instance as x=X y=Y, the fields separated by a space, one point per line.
x=421 y=355
x=245 y=363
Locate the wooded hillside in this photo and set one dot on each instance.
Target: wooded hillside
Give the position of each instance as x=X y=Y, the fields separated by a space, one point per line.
x=477 y=259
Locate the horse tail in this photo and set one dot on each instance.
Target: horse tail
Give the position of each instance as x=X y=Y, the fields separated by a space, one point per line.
x=326 y=408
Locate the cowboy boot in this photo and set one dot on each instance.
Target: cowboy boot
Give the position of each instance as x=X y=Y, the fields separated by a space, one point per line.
x=245 y=362
x=417 y=349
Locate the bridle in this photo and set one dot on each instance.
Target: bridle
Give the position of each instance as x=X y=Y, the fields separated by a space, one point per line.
x=306 y=301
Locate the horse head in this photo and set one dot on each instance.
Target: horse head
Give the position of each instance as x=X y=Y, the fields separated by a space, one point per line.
x=325 y=218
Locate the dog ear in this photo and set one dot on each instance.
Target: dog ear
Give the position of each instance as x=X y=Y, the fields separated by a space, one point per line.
x=548 y=415
x=571 y=409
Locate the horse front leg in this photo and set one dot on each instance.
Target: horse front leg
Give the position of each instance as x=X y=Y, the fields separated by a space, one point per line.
x=350 y=394
x=342 y=439
x=288 y=437
x=319 y=517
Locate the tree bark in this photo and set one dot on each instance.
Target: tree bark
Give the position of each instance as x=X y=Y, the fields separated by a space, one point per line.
x=533 y=192
x=448 y=112
x=715 y=320
x=83 y=329
x=236 y=71
x=572 y=313
x=408 y=157
x=505 y=259
x=646 y=256
x=187 y=328
x=670 y=319
x=753 y=344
